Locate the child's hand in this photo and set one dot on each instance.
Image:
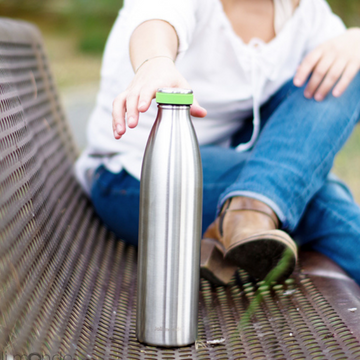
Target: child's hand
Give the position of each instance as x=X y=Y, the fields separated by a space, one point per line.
x=336 y=61
x=152 y=75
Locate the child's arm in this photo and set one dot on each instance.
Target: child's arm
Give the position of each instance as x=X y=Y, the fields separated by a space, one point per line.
x=335 y=61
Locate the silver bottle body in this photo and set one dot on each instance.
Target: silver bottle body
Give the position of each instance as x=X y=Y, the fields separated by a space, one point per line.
x=170 y=231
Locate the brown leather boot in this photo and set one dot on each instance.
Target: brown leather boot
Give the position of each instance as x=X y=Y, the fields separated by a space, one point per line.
x=246 y=234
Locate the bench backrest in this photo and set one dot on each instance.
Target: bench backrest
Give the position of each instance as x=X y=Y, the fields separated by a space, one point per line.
x=41 y=205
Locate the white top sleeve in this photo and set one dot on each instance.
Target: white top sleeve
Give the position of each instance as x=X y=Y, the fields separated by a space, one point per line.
x=324 y=24
x=180 y=14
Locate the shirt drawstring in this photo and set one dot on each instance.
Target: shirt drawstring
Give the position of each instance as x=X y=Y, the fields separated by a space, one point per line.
x=257 y=81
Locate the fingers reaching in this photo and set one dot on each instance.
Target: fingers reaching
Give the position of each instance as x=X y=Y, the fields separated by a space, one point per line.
x=132 y=111
x=142 y=90
x=197 y=110
x=145 y=98
x=131 y=104
x=118 y=116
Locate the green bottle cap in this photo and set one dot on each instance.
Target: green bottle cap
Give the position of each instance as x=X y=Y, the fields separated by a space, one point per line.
x=174 y=96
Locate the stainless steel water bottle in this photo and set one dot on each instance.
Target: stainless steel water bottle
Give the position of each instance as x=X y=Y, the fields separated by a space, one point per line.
x=170 y=226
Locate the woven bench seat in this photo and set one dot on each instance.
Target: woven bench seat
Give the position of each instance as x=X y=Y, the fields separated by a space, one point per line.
x=68 y=286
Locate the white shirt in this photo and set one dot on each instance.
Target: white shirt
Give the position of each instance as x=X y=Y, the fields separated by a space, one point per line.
x=230 y=79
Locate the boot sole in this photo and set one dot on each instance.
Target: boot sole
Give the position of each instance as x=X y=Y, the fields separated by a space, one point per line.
x=261 y=253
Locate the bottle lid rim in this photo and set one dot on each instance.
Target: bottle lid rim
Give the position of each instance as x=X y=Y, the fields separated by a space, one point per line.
x=174 y=96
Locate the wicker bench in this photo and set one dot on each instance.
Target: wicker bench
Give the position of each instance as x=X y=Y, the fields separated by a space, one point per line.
x=68 y=286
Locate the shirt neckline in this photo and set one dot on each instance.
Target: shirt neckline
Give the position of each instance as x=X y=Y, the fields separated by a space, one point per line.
x=255 y=42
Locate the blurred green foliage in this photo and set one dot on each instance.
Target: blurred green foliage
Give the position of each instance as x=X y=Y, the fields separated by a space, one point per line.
x=348 y=10
x=91 y=20
x=16 y=6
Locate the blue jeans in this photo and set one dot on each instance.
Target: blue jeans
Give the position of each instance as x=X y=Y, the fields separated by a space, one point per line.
x=288 y=169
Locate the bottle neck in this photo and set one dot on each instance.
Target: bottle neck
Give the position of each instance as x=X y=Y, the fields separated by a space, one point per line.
x=174 y=107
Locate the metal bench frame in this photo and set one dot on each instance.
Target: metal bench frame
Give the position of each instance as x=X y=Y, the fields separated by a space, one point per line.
x=68 y=286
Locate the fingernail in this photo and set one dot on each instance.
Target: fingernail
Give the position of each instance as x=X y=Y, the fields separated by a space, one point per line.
x=131 y=120
x=318 y=97
x=307 y=94
x=118 y=128
x=297 y=82
x=142 y=104
x=336 y=93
